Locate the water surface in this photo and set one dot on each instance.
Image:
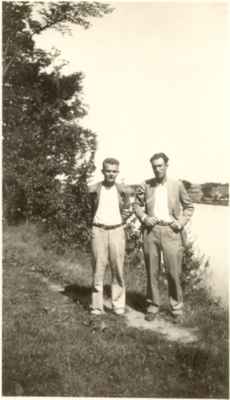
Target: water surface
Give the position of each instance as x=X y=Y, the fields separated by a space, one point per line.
x=211 y=225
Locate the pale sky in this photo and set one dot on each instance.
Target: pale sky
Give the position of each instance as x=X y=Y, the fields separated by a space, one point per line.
x=155 y=80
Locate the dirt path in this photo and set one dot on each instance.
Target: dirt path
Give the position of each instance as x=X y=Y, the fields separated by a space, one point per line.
x=168 y=330
x=171 y=332
x=135 y=319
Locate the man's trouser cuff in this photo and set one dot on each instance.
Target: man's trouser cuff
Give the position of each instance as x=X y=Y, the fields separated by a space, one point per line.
x=176 y=307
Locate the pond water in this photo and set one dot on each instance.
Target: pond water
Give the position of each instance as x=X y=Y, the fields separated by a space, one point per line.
x=210 y=224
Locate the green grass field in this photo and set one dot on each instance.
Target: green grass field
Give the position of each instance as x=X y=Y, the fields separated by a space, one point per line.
x=53 y=347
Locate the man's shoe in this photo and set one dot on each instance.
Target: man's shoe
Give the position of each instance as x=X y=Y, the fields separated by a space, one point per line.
x=150 y=316
x=178 y=318
x=96 y=311
x=119 y=311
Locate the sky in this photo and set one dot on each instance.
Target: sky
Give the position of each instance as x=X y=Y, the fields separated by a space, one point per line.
x=155 y=79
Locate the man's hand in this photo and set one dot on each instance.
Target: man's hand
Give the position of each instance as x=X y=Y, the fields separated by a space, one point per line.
x=150 y=221
x=176 y=226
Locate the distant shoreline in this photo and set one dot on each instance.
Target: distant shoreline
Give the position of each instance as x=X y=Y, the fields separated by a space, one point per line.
x=212 y=204
x=212 y=193
x=209 y=193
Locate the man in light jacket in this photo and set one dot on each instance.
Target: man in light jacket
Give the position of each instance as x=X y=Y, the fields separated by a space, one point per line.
x=164 y=208
x=111 y=207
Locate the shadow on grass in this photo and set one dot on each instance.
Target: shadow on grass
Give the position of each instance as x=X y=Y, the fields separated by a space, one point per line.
x=82 y=295
x=136 y=300
x=78 y=294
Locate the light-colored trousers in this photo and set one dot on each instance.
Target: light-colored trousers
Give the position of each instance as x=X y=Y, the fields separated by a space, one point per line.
x=163 y=239
x=108 y=248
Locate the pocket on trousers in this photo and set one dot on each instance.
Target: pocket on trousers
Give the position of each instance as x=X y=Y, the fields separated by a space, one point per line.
x=173 y=235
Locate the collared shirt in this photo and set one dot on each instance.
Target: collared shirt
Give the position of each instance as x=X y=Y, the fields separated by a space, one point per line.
x=108 y=211
x=161 y=209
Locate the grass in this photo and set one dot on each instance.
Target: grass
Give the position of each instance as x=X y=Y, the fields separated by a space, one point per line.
x=52 y=347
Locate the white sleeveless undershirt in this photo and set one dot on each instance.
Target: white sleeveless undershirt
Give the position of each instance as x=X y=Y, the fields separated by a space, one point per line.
x=161 y=209
x=108 y=211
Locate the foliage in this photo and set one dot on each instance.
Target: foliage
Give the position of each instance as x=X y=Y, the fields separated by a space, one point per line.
x=208 y=193
x=215 y=193
x=195 y=270
x=69 y=222
x=43 y=139
x=187 y=184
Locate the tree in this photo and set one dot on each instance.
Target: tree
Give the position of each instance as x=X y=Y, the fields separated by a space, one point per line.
x=21 y=20
x=41 y=111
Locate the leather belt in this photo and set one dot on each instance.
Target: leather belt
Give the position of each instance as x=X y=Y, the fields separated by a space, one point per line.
x=163 y=223
x=107 y=227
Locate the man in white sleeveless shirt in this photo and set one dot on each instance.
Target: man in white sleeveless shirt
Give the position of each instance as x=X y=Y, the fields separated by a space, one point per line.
x=110 y=204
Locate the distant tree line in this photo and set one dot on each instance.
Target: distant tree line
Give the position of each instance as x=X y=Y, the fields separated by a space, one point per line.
x=209 y=193
x=42 y=136
x=205 y=193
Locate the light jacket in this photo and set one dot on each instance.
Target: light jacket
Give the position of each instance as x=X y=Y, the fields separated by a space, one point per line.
x=123 y=196
x=179 y=203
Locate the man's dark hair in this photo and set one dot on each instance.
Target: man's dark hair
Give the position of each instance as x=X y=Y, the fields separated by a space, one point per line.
x=159 y=155
x=110 y=160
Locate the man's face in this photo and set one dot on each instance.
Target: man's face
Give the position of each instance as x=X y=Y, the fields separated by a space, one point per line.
x=159 y=168
x=110 y=172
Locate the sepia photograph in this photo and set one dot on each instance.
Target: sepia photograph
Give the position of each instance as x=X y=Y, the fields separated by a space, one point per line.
x=115 y=199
